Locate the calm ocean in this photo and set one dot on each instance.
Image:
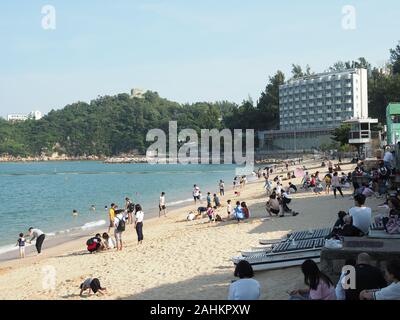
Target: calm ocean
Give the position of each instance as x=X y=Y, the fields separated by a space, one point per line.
x=44 y=194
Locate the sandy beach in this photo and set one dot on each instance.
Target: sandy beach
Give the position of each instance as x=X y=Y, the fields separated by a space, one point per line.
x=179 y=259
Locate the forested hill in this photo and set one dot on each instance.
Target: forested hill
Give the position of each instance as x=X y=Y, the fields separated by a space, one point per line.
x=109 y=125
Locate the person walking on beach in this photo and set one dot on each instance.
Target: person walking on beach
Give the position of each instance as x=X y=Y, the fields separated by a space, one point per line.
x=139 y=223
x=39 y=236
x=196 y=193
x=119 y=228
x=21 y=245
x=161 y=205
x=221 y=188
x=328 y=183
x=111 y=216
x=336 y=185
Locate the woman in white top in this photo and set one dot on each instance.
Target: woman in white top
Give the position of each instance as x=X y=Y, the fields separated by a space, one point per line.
x=139 y=222
x=245 y=288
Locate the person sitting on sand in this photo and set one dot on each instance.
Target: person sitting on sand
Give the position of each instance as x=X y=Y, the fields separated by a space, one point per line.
x=229 y=208
x=201 y=210
x=285 y=200
x=320 y=286
x=273 y=205
x=108 y=241
x=245 y=210
x=92 y=285
x=210 y=213
x=246 y=288
x=239 y=215
x=292 y=188
x=95 y=244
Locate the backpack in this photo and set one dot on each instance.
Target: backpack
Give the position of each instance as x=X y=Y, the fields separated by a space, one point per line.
x=90 y=242
x=121 y=225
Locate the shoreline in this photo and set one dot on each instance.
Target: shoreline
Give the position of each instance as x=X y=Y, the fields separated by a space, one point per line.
x=59 y=237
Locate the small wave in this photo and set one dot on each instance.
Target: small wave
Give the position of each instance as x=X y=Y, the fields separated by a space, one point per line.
x=93 y=224
x=180 y=202
x=10 y=248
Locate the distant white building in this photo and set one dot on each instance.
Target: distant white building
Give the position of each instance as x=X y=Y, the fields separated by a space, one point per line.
x=34 y=115
x=138 y=93
x=17 y=117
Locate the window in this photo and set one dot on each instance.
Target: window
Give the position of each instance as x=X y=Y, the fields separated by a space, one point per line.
x=395 y=118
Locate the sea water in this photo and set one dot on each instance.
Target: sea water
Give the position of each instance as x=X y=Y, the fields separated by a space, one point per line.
x=44 y=194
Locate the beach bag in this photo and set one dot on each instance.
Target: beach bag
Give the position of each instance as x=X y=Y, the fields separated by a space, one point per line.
x=393 y=225
x=121 y=225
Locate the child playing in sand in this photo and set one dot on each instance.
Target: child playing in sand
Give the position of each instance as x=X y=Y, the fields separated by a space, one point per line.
x=92 y=285
x=21 y=244
x=109 y=242
x=239 y=215
x=229 y=209
x=210 y=213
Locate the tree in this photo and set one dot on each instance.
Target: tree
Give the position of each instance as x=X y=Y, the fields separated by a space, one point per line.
x=297 y=71
x=395 y=59
x=341 y=134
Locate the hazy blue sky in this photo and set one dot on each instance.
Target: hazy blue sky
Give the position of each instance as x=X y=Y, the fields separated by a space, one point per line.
x=186 y=50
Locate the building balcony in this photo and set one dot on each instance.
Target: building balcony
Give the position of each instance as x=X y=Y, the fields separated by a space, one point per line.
x=328 y=103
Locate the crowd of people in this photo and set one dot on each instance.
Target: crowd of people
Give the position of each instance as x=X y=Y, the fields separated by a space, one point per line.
x=371 y=283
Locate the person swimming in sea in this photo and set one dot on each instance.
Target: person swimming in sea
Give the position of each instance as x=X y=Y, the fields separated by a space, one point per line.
x=74 y=213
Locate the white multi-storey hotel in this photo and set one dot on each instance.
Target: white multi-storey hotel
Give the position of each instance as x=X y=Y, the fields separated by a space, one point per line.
x=310 y=108
x=323 y=100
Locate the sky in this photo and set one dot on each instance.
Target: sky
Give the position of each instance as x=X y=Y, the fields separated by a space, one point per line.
x=187 y=51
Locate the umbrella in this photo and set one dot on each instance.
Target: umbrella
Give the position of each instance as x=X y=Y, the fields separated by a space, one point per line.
x=299 y=172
